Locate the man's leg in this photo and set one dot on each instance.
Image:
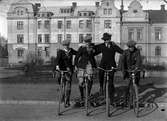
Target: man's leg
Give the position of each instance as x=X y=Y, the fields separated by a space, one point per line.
x=111 y=88
x=80 y=79
x=68 y=91
x=101 y=80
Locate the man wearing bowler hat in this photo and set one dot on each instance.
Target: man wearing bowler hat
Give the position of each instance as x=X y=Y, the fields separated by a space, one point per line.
x=108 y=49
x=85 y=62
x=64 y=62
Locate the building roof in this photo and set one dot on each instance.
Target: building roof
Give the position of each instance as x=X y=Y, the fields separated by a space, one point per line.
x=158 y=16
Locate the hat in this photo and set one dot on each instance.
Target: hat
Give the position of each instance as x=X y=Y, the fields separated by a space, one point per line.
x=88 y=39
x=106 y=36
x=65 y=42
x=131 y=43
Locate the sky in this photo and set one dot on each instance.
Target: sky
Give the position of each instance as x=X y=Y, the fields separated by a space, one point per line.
x=5 y=4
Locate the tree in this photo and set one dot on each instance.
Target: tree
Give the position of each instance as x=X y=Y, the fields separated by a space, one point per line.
x=3 y=47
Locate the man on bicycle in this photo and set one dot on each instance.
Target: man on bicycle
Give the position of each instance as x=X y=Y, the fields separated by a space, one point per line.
x=108 y=50
x=131 y=59
x=85 y=61
x=64 y=63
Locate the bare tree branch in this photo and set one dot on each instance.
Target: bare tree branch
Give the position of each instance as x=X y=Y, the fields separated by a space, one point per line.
x=165 y=1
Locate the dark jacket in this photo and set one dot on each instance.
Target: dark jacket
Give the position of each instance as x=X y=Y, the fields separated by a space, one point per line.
x=83 y=57
x=130 y=60
x=64 y=59
x=108 y=54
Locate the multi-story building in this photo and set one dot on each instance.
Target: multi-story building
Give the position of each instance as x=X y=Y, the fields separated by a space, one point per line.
x=148 y=28
x=41 y=29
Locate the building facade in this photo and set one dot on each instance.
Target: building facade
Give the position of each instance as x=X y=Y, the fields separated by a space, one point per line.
x=41 y=30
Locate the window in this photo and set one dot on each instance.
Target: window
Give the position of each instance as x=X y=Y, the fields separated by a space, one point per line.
x=60 y=24
x=105 y=11
x=131 y=34
x=68 y=24
x=39 y=51
x=107 y=4
x=69 y=37
x=158 y=34
x=139 y=35
x=88 y=23
x=20 y=53
x=81 y=38
x=158 y=51
x=59 y=38
x=107 y=24
x=47 y=51
x=47 y=24
x=39 y=24
x=47 y=38
x=80 y=14
x=110 y=11
x=19 y=25
x=21 y=13
x=20 y=38
x=85 y=14
x=18 y=12
x=81 y=24
x=39 y=38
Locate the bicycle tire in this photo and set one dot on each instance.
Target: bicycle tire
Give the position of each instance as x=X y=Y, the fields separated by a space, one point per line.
x=107 y=101
x=135 y=100
x=86 y=97
x=60 y=97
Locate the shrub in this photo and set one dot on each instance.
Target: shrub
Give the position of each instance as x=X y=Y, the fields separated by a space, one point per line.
x=154 y=67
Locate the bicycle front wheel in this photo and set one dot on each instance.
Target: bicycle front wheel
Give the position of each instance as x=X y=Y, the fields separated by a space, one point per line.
x=135 y=100
x=107 y=101
x=86 y=96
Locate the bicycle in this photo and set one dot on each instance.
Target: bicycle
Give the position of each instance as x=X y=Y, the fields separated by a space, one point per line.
x=133 y=93
x=62 y=90
x=86 y=84
x=106 y=84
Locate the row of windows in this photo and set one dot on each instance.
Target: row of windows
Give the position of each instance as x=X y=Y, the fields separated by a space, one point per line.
x=46 y=24
x=137 y=34
x=20 y=38
x=20 y=52
x=85 y=13
x=107 y=11
x=135 y=31
x=66 y=10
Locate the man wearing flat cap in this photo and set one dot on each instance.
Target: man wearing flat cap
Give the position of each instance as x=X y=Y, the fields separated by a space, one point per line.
x=85 y=62
x=131 y=59
x=64 y=62
x=108 y=49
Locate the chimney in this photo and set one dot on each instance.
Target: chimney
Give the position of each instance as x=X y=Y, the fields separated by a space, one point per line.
x=97 y=4
x=163 y=7
x=74 y=4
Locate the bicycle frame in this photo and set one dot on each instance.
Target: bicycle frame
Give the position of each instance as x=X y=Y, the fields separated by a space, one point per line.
x=106 y=79
x=61 y=88
x=133 y=91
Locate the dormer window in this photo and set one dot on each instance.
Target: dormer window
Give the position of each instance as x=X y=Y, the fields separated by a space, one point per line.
x=85 y=14
x=135 y=11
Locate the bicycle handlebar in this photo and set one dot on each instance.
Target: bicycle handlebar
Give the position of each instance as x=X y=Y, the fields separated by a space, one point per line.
x=112 y=68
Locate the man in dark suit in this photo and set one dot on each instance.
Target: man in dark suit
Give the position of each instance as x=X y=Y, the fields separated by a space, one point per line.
x=85 y=62
x=108 y=50
x=64 y=62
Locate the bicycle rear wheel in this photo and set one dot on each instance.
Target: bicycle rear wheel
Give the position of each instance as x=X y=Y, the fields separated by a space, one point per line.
x=135 y=100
